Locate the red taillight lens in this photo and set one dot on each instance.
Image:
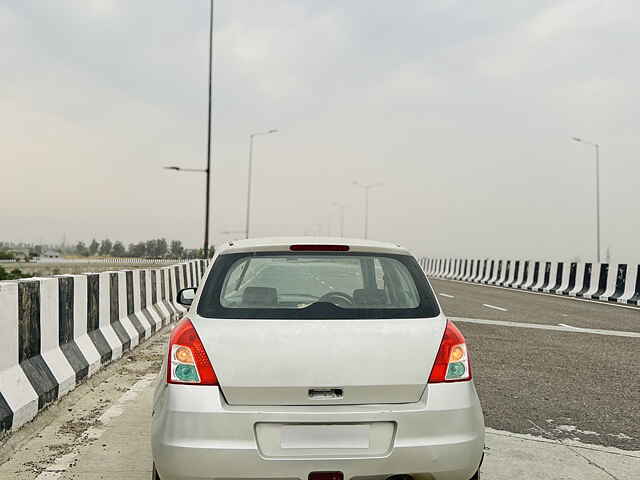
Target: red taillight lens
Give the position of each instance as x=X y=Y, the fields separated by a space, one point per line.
x=326 y=476
x=452 y=362
x=188 y=361
x=319 y=248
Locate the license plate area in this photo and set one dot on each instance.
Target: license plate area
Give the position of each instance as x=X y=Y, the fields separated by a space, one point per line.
x=325 y=436
x=321 y=440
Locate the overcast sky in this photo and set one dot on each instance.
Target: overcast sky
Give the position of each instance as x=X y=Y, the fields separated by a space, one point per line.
x=463 y=109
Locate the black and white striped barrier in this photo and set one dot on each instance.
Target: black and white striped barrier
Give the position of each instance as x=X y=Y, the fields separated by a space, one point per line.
x=596 y=281
x=108 y=260
x=58 y=331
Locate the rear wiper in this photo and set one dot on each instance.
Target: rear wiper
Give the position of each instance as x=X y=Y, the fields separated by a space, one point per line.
x=323 y=306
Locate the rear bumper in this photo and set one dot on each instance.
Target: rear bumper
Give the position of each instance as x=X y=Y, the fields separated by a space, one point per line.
x=196 y=435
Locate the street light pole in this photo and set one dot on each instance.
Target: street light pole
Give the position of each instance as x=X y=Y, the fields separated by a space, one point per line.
x=597 y=151
x=249 y=177
x=366 y=204
x=207 y=170
x=341 y=207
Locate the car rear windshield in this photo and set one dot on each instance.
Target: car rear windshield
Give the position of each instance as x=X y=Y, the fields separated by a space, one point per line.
x=324 y=285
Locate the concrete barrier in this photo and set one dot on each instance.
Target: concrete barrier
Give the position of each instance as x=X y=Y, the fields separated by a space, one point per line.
x=618 y=283
x=59 y=331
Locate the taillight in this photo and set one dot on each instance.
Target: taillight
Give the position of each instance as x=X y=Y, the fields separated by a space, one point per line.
x=452 y=362
x=188 y=360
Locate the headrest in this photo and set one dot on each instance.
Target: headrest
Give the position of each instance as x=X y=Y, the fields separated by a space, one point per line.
x=374 y=297
x=261 y=296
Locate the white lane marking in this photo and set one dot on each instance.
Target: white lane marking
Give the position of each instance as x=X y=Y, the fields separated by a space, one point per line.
x=494 y=307
x=566 y=297
x=447 y=295
x=62 y=464
x=557 y=328
x=571 y=326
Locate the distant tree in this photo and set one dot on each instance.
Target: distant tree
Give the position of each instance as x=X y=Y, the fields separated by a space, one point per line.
x=194 y=253
x=151 y=248
x=81 y=249
x=105 y=247
x=176 y=249
x=35 y=251
x=118 y=250
x=93 y=247
x=13 y=274
x=137 y=250
x=162 y=247
x=6 y=255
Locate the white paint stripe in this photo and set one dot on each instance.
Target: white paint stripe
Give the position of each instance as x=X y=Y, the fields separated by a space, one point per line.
x=447 y=295
x=494 y=307
x=558 y=328
x=566 y=297
x=62 y=464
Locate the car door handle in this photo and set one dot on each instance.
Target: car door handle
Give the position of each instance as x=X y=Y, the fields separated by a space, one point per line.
x=325 y=393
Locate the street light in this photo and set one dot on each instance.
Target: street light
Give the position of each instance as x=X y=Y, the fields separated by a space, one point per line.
x=597 y=149
x=366 y=203
x=341 y=207
x=268 y=132
x=207 y=170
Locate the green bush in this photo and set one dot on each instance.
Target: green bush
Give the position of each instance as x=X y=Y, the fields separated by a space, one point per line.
x=14 y=274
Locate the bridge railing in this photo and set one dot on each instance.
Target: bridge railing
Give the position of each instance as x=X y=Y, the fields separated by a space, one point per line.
x=56 y=332
x=618 y=282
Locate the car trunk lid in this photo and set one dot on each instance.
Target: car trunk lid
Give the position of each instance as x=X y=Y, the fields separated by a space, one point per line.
x=321 y=362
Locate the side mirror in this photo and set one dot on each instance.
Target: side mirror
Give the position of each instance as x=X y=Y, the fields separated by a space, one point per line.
x=186 y=296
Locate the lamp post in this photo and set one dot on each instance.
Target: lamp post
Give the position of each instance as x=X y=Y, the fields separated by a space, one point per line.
x=366 y=189
x=596 y=146
x=207 y=170
x=251 y=136
x=341 y=207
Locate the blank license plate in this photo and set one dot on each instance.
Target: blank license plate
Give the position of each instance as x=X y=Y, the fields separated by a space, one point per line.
x=324 y=436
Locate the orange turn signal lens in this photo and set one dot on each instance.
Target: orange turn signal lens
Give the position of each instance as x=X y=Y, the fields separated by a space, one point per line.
x=184 y=355
x=457 y=354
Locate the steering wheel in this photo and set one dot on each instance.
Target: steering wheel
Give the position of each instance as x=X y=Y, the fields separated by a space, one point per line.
x=341 y=299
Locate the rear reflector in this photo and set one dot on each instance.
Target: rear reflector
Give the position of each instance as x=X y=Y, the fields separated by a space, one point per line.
x=319 y=248
x=326 y=476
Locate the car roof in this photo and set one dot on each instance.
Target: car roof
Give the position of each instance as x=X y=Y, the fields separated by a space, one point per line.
x=279 y=244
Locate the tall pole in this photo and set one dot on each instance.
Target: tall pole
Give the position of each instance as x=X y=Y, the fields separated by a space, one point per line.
x=248 y=219
x=366 y=203
x=597 y=146
x=341 y=207
x=366 y=212
x=208 y=170
x=249 y=186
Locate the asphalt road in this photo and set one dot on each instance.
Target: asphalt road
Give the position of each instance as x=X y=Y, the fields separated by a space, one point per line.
x=558 y=384
x=470 y=300
x=559 y=404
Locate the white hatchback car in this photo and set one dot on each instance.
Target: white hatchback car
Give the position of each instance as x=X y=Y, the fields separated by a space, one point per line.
x=318 y=359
